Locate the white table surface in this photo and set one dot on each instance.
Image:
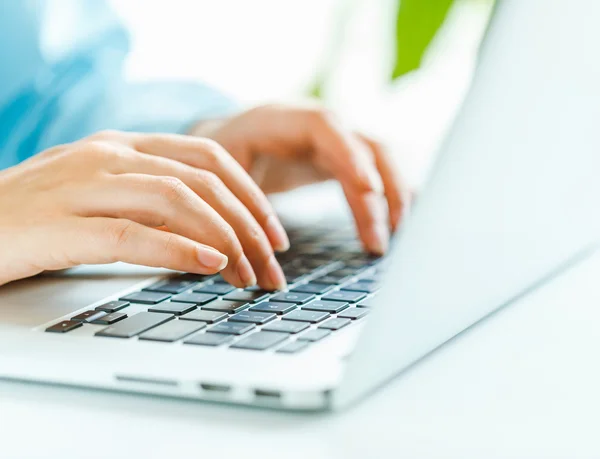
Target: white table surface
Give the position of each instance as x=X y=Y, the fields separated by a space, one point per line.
x=524 y=383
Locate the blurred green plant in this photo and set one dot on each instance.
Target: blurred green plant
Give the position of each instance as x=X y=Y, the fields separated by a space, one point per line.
x=417 y=22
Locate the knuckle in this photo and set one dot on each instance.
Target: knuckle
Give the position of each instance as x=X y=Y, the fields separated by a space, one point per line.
x=99 y=149
x=256 y=235
x=172 y=188
x=120 y=233
x=230 y=238
x=154 y=138
x=211 y=180
x=213 y=151
x=53 y=152
x=170 y=247
x=378 y=147
x=106 y=134
x=321 y=116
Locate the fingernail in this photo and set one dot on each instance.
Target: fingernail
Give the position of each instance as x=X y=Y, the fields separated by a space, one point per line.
x=276 y=274
x=211 y=258
x=277 y=234
x=379 y=238
x=245 y=272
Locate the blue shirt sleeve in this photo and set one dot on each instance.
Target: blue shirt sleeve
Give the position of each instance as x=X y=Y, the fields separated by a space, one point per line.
x=61 y=78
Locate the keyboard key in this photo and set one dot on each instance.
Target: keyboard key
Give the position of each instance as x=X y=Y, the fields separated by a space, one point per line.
x=134 y=325
x=316 y=263
x=297 y=270
x=333 y=307
x=312 y=287
x=88 y=316
x=362 y=286
x=247 y=297
x=111 y=318
x=208 y=339
x=172 y=331
x=195 y=298
x=344 y=295
x=306 y=316
x=260 y=341
x=342 y=273
x=113 y=306
x=358 y=263
x=335 y=324
x=171 y=286
x=293 y=278
x=332 y=280
x=293 y=347
x=368 y=303
x=258 y=318
x=64 y=326
x=218 y=288
x=370 y=278
x=232 y=328
x=254 y=288
x=291 y=297
x=225 y=306
x=218 y=279
x=353 y=313
x=209 y=317
x=172 y=307
x=146 y=297
x=314 y=335
x=272 y=306
x=189 y=277
x=286 y=326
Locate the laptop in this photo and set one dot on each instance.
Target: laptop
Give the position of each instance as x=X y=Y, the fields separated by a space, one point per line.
x=511 y=203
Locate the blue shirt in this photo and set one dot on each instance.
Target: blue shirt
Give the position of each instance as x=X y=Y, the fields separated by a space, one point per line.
x=61 y=78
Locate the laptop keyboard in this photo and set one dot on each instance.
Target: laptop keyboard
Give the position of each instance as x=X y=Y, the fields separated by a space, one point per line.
x=331 y=286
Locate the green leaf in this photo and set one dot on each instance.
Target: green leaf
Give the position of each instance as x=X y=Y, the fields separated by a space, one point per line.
x=316 y=89
x=417 y=22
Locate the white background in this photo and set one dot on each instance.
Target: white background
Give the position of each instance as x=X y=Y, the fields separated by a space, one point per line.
x=270 y=50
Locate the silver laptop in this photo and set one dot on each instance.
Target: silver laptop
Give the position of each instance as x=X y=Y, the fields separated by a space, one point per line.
x=512 y=202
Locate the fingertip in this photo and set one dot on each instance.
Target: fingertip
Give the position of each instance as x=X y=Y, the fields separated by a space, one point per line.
x=396 y=217
x=277 y=234
x=245 y=272
x=377 y=239
x=276 y=275
x=401 y=210
x=211 y=259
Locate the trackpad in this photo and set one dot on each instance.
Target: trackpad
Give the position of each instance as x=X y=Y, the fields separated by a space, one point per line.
x=34 y=301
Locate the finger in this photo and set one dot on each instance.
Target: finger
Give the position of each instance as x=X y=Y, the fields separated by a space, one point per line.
x=157 y=201
x=213 y=191
x=343 y=154
x=366 y=205
x=107 y=240
x=254 y=241
x=208 y=155
x=395 y=192
x=369 y=212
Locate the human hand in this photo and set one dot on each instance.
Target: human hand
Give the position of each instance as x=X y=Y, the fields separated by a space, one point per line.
x=286 y=146
x=170 y=201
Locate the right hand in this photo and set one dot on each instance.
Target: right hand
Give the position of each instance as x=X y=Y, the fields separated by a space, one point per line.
x=160 y=200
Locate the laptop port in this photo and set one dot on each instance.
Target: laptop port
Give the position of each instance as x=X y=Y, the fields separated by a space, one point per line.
x=270 y=394
x=145 y=380
x=210 y=387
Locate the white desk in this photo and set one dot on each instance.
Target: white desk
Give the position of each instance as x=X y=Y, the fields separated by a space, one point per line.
x=524 y=383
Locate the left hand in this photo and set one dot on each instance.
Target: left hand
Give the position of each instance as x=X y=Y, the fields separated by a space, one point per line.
x=286 y=146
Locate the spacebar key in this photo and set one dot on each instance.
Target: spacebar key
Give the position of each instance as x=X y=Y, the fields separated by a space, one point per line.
x=135 y=325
